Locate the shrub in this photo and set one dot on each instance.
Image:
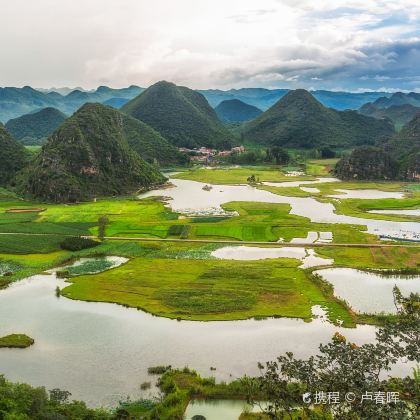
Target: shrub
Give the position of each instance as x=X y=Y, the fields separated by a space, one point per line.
x=145 y=385
x=157 y=370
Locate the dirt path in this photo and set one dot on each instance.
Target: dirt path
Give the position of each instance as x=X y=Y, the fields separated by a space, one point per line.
x=278 y=244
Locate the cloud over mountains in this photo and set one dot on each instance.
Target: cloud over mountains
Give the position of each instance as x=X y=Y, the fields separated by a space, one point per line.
x=328 y=44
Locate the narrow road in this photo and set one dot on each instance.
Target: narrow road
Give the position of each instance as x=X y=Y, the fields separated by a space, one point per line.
x=232 y=242
x=278 y=244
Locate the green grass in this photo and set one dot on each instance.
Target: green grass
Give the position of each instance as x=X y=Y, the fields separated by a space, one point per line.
x=384 y=258
x=208 y=289
x=320 y=167
x=29 y=244
x=330 y=188
x=267 y=222
x=360 y=208
x=33 y=149
x=30 y=264
x=16 y=341
x=237 y=175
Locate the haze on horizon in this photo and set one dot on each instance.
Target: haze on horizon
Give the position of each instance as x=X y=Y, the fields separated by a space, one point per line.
x=349 y=45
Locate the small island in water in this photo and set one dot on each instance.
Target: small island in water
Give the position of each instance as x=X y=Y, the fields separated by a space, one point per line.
x=16 y=341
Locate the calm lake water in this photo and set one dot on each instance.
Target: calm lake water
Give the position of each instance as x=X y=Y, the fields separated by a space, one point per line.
x=100 y=352
x=218 y=409
x=367 y=194
x=189 y=197
x=308 y=257
x=369 y=292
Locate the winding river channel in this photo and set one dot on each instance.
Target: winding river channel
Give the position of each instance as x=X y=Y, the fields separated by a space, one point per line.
x=190 y=198
x=100 y=352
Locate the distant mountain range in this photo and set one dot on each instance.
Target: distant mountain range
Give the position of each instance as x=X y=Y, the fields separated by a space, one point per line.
x=299 y=120
x=181 y=115
x=236 y=111
x=400 y=108
x=266 y=98
x=398 y=99
x=398 y=114
x=15 y=102
x=34 y=128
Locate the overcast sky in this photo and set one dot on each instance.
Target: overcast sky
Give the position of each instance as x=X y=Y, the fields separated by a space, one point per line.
x=320 y=44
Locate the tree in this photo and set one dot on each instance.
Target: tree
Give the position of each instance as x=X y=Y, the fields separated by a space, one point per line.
x=278 y=154
x=345 y=380
x=367 y=163
x=327 y=153
x=251 y=179
x=103 y=221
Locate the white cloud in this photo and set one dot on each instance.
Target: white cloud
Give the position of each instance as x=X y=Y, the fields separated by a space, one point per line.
x=206 y=43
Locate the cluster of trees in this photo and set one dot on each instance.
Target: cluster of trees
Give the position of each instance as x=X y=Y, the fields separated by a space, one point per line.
x=280 y=156
x=397 y=158
x=275 y=155
x=354 y=374
x=23 y=402
x=367 y=163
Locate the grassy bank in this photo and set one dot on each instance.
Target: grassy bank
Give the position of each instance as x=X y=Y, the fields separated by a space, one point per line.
x=320 y=167
x=220 y=176
x=208 y=289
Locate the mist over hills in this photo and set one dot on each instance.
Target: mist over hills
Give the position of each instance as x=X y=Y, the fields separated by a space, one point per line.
x=398 y=114
x=236 y=111
x=299 y=120
x=265 y=98
x=398 y=99
x=400 y=108
x=15 y=102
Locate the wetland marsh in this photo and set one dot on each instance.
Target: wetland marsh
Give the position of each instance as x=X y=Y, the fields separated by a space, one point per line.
x=257 y=301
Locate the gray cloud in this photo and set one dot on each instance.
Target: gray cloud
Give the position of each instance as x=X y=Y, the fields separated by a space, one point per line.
x=334 y=44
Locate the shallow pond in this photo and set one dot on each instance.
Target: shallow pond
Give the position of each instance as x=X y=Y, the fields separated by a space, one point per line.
x=308 y=257
x=369 y=292
x=367 y=194
x=100 y=352
x=218 y=409
x=92 y=265
x=189 y=197
x=299 y=183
